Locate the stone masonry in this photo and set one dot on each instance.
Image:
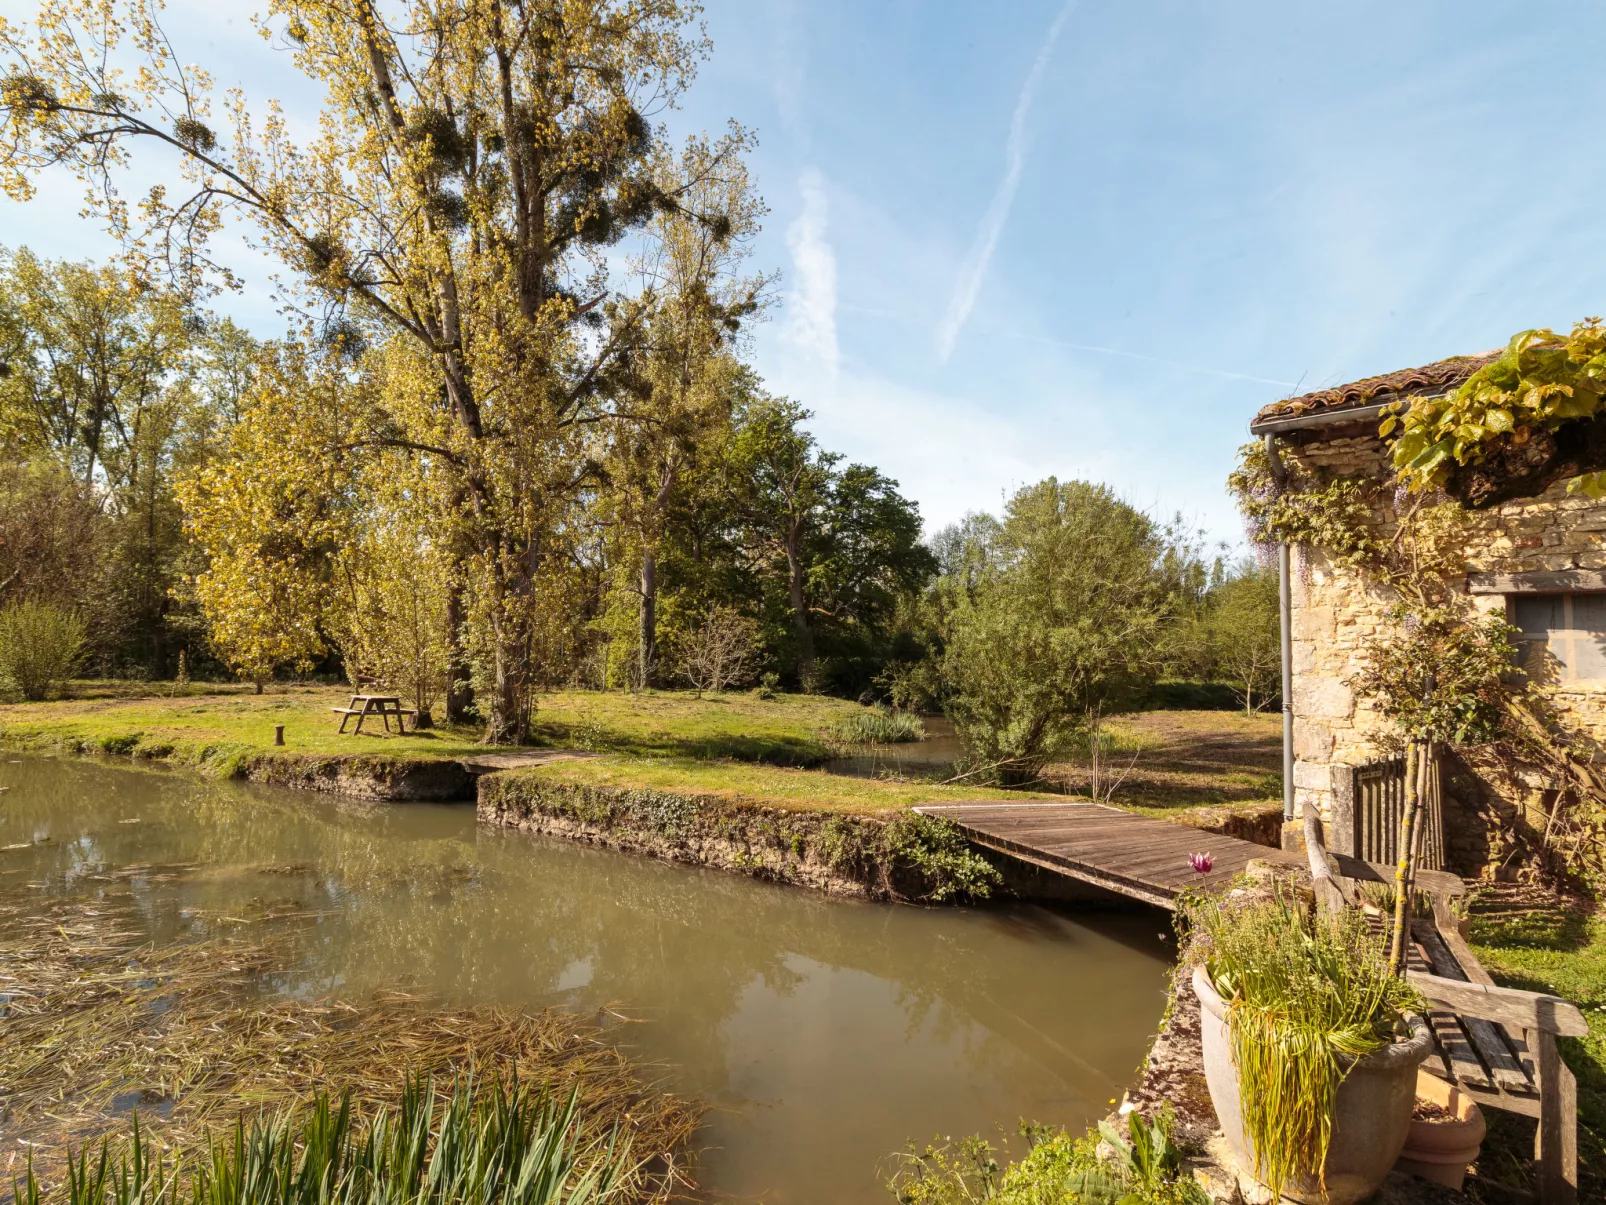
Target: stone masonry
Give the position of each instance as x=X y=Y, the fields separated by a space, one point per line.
x=1336 y=614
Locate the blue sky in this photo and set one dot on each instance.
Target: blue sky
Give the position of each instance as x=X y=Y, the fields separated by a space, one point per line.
x=1091 y=239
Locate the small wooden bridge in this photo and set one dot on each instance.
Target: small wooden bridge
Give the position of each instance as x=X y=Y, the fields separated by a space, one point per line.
x=1119 y=851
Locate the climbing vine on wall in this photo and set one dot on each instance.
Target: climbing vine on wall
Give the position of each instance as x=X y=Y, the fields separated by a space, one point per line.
x=1539 y=384
x=1438 y=669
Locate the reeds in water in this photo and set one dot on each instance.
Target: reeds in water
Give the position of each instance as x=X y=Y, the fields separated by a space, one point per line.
x=479 y=1144
x=876 y=726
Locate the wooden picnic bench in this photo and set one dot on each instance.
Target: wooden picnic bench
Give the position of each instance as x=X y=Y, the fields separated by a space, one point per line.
x=1496 y=1044
x=383 y=706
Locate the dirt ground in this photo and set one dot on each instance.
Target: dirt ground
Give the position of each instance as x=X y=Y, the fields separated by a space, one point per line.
x=1168 y=760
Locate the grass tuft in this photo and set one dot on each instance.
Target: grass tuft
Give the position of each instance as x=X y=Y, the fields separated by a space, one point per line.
x=485 y=1143
x=876 y=726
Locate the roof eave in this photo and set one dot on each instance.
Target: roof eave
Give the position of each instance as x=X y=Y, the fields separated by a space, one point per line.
x=1335 y=416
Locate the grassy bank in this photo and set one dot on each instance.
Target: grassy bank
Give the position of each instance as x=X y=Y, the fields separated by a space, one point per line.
x=785 y=730
x=784 y=826
x=771 y=786
x=1536 y=940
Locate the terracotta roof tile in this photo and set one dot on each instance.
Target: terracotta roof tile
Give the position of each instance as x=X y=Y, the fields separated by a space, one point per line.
x=1438 y=377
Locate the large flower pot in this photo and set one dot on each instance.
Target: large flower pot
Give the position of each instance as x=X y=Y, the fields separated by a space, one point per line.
x=1439 y=1148
x=1371 y=1113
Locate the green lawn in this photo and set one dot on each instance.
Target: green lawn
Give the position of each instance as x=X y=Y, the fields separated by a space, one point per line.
x=1544 y=942
x=662 y=740
x=785 y=730
x=772 y=785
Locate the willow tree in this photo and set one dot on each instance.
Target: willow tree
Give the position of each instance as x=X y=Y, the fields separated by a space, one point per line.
x=473 y=160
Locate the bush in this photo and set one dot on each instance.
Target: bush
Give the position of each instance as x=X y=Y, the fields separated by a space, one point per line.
x=876 y=726
x=39 y=645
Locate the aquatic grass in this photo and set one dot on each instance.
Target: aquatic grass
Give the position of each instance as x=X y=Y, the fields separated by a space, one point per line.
x=875 y=726
x=92 y=1017
x=1306 y=996
x=485 y=1143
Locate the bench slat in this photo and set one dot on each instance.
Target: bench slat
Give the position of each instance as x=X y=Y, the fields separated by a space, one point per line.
x=1488 y=1039
x=1451 y=1035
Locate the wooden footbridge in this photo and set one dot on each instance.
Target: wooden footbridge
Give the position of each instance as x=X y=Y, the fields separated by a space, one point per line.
x=1119 y=851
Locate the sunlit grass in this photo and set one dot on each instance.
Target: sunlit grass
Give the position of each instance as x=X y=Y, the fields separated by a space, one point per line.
x=202 y=729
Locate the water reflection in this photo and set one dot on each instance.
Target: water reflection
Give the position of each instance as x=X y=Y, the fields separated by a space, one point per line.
x=823 y=1032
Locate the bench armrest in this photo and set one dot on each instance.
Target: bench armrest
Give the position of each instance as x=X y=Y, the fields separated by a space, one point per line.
x=1505 y=1005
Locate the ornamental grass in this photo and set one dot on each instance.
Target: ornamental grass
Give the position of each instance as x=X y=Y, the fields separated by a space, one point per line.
x=1306 y=997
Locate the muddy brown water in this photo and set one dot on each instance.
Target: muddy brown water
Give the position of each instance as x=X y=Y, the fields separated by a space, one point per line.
x=824 y=1033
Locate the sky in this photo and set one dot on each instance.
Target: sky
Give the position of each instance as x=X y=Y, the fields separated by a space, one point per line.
x=1090 y=239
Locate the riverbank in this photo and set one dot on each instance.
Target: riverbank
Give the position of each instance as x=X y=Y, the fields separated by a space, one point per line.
x=786 y=827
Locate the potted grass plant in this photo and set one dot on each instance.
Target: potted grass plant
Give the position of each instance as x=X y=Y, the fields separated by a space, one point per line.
x=1311 y=1045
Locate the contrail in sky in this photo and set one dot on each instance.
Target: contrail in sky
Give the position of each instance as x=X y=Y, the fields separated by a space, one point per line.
x=992 y=222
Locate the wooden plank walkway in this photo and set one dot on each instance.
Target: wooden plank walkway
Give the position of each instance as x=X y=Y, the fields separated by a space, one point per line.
x=1119 y=851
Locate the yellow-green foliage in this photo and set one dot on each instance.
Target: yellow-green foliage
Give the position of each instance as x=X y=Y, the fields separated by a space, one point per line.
x=1541 y=381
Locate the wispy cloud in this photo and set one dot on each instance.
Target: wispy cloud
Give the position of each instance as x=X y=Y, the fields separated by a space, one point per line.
x=992 y=222
x=1137 y=355
x=811 y=305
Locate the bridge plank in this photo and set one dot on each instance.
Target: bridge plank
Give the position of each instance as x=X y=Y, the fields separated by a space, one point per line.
x=1121 y=851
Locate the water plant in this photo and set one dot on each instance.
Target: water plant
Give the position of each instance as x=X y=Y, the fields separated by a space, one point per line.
x=876 y=726
x=1306 y=996
x=480 y=1143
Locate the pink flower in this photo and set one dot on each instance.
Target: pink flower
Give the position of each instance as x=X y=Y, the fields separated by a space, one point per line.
x=1203 y=863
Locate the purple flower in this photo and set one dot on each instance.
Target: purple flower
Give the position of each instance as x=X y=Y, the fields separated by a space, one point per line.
x=1203 y=863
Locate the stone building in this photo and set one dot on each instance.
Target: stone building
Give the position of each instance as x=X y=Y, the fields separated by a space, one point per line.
x=1533 y=553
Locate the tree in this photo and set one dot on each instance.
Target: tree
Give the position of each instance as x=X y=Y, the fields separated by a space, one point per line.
x=720 y=652
x=473 y=161
x=688 y=374
x=1243 y=635
x=86 y=354
x=779 y=480
x=273 y=512
x=1440 y=677
x=1055 y=620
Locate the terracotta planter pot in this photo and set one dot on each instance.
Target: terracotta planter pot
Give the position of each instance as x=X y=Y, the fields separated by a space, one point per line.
x=1439 y=1149
x=1371 y=1116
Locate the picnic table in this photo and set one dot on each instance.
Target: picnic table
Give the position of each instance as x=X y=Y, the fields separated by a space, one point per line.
x=383 y=706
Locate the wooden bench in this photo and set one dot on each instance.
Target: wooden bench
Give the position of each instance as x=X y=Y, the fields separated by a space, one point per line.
x=1497 y=1044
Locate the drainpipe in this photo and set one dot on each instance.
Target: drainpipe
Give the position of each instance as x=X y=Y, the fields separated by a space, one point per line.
x=1285 y=615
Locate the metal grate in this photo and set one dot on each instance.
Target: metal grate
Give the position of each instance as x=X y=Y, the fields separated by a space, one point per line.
x=1380 y=809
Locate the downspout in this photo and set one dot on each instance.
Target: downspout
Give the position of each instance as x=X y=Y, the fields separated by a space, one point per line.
x=1285 y=615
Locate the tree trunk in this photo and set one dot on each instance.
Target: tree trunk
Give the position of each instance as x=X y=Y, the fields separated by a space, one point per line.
x=459 y=691
x=649 y=618
x=1405 y=866
x=800 y=616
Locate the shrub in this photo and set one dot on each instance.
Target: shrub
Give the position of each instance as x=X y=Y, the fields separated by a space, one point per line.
x=876 y=726
x=39 y=645
x=1058 y=1170
x=1305 y=996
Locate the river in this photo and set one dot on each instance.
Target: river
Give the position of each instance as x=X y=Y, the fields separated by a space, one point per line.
x=824 y=1033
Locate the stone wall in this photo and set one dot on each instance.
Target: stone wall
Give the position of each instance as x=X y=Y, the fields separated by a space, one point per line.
x=1336 y=614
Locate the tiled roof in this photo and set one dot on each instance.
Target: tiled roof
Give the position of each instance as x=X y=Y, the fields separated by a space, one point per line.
x=1431 y=379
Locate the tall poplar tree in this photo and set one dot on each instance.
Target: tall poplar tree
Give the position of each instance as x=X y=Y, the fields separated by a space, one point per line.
x=472 y=161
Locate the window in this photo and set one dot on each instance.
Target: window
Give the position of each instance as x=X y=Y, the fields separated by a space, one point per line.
x=1563 y=636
